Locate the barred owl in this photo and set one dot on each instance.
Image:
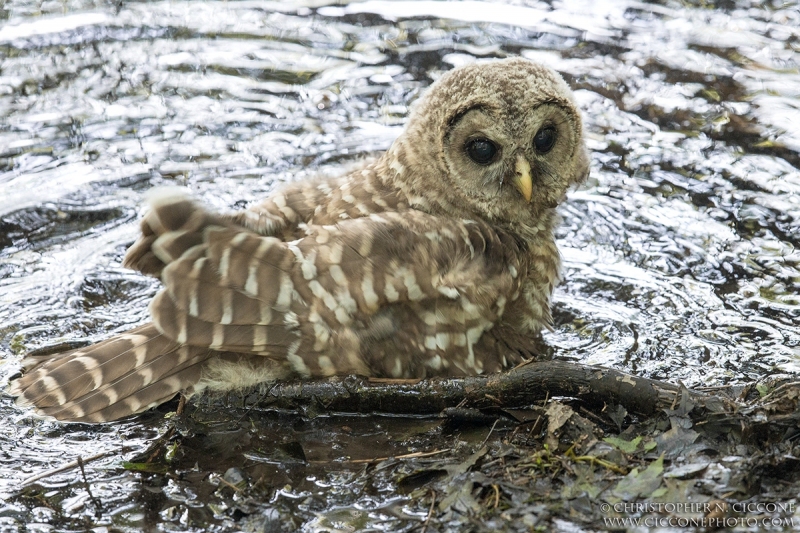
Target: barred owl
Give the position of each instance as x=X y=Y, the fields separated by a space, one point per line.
x=436 y=259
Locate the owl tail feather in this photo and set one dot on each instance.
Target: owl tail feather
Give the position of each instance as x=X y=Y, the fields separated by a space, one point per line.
x=120 y=376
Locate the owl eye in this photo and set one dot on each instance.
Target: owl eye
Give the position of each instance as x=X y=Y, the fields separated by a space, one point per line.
x=544 y=139
x=482 y=151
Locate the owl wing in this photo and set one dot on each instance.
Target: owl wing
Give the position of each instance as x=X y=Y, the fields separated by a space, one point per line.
x=402 y=294
x=172 y=213
x=280 y=215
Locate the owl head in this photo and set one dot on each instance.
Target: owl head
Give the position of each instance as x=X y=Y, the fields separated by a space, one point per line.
x=500 y=139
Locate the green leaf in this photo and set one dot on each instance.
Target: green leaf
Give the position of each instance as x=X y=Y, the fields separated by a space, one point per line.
x=154 y=468
x=624 y=445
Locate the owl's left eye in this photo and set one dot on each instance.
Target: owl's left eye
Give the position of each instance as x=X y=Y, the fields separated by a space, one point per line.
x=544 y=139
x=482 y=151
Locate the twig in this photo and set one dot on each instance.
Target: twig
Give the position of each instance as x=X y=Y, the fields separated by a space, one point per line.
x=250 y=409
x=675 y=400
x=152 y=451
x=594 y=460
x=589 y=414
x=228 y=484
x=495 y=399
x=539 y=418
x=86 y=483
x=181 y=405
x=71 y=465
x=394 y=381
x=414 y=455
x=490 y=433
x=430 y=512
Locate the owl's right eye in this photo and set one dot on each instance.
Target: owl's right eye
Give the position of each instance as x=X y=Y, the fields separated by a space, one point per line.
x=482 y=151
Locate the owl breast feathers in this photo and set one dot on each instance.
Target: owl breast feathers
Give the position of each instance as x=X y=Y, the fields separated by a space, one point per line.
x=437 y=259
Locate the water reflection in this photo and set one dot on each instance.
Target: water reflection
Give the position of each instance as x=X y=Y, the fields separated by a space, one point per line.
x=681 y=254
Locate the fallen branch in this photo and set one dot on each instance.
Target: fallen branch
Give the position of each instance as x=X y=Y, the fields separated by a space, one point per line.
x=525 y=385
x=766 y=411
x=519 y=387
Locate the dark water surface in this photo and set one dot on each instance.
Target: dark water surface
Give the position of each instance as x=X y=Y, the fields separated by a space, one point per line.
x=682 y=253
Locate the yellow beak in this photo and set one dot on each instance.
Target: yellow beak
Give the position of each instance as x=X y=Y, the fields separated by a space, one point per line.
x=522 y=178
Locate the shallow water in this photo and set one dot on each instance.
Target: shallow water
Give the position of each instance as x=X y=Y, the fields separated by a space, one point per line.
x=681 y=253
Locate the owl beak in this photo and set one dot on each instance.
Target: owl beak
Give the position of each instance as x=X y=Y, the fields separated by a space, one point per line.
x=522 y=177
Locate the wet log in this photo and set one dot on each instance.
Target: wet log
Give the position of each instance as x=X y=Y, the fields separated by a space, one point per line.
x=520 y=387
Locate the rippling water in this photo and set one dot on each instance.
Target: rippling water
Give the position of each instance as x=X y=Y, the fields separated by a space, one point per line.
x=681 y=253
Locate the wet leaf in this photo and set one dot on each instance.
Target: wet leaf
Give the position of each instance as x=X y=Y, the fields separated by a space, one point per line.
x=234 y=476
x=677 y=490
x=461 y=499
x=673 y=442
x=586 y=482
x=524 y=415
x=557 y=415
x=339 y=521
x=285 y=453
x=153 y=468
x=624 y=445
x=686 y=471
x=617 y=415
x=470 y=461
x=411 y=482
x=684 y=405
x=640 y=484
